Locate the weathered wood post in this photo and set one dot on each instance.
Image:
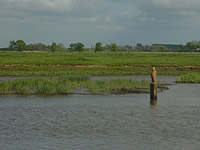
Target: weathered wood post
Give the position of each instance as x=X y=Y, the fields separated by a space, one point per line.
x=153 y=88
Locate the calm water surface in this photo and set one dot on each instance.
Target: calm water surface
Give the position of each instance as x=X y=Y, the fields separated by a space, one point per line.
x=123 y=122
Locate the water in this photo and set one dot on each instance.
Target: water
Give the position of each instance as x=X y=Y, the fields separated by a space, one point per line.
x=84 y=122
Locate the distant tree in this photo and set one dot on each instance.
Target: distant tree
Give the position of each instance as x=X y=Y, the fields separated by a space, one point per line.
x=61 y=46
x=139 y=44
x=147 y=48
x=139 y=47
x=72 y=46
x=12 y=44
x=196 y=42
x=21 y=45
x=30 y=47
x=123 y=48
x=114 y=47
x=107 y=47
x=37 y=46
x=128 y=47
x=163 y=49
x=181 y=48
x=191 y=45
x=77 y=47
x=99 y=47
x=54 y=47
x=40 y=46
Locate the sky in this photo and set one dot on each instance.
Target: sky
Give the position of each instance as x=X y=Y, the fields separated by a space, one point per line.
x=107 y=21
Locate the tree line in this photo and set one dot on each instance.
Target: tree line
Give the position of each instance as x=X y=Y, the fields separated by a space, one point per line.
x=190 y=46
x=20 y=45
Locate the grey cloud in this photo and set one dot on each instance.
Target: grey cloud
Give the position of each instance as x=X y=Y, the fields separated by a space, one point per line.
x=191 y=4
x=121 y=21
x=50 y=7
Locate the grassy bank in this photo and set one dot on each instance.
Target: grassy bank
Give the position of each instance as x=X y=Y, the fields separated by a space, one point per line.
x=57 y=71
x=70 y=84
x=189 y=78
x=110 y=59
x=51 y=64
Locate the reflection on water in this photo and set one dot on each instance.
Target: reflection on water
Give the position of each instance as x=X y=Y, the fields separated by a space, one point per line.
x=123 y=122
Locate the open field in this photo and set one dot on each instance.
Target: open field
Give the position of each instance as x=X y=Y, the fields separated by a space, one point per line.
x=54 y=64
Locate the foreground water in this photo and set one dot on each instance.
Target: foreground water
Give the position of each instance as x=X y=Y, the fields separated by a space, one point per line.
x=122 y=122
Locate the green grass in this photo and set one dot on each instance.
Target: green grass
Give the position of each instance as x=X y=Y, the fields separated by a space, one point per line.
x=53 y=71
x=61 y=63
x=111 y=59
x=67 y=84
x=117 y=86
x=189 y=78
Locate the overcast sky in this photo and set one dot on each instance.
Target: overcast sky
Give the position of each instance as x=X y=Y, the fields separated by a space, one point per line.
x=108 y=21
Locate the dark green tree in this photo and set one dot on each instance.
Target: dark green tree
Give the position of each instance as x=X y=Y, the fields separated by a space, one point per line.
x=147 y=48
x=20 y=45
x=12 y=45
x=181 y=48
x=139 y=47
x=37 y=46
x=114 y=47
x=49 y=47
x=191 y=46
x=77 y=47
x=54 y=47
x=99 y=47
x=128 y=47
x=198 y=46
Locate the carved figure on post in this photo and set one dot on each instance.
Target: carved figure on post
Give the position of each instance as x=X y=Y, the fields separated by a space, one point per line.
x=153 y=75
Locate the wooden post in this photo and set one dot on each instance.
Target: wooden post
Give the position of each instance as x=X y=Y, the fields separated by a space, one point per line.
x=153 y=94
x=153 y=88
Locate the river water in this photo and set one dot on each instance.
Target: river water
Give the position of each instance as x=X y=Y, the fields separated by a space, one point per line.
x=88 y=122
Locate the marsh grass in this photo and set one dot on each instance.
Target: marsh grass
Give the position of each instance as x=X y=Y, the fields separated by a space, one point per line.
x=74 y=78
x=189 y=78
x=116 y=86
x=39 y=86
x=67 y=84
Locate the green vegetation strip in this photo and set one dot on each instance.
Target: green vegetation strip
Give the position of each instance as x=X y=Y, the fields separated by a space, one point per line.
x=70 y=84
x=62 y=63
x=108 y=59
x=189 y=78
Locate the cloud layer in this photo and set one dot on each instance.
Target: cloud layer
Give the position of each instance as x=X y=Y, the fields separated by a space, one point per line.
x=89 y=21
